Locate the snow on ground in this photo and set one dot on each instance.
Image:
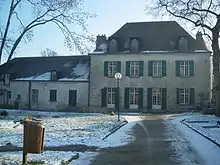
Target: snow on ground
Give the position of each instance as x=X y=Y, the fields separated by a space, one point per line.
x=190 y=147
x=67 y=129
x=46 y=158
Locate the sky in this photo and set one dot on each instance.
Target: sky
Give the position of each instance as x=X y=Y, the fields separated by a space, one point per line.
x=111 y=15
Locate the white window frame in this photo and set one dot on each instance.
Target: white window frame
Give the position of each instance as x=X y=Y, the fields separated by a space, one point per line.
x=184 y=96
x=34 y=95
x=157 y=68
x=134 y=96
x=184 y=68
x=134 y=68
x=112 y=68
x=157 y=96
x=111 y=96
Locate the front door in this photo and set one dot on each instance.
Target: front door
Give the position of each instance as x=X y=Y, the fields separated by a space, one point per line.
x=156 y=98
x=134 y=97
x=72 y=98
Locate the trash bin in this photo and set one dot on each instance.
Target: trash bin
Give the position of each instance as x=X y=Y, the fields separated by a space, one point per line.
x=33 y=136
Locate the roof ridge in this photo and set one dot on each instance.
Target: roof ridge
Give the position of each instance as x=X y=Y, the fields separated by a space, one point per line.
x=149 y=22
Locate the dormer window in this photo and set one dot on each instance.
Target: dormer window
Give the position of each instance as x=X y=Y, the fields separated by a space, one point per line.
x=183 y=44
x=113 y=45
x=53 y=75
x=7 y=79
x=134 y=45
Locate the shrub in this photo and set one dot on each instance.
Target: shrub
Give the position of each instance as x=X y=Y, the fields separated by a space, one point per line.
x=3 y=113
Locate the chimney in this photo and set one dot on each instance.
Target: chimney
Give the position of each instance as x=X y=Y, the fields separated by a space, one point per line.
x=200 y=43
x=100 y=39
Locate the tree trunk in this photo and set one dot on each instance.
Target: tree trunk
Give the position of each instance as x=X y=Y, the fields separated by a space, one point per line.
x=215 y=60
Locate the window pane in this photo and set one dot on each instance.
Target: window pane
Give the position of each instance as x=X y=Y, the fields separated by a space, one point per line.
x=53 y=95
x=157 y=68
x=112 y=68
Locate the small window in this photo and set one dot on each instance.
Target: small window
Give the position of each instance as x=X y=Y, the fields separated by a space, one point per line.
x=53 y=95
x=134 y=68
x=34 y=95
x=157 y=68
x=53 y=75
x=9 y=94
x=134 y=45
x=18 y=97
x=7 y=79
x=113 y=45
x=184 y=96
x=183 y=44
x=112 y=68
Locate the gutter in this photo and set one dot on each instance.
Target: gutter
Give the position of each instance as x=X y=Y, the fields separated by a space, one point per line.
x=29 y=95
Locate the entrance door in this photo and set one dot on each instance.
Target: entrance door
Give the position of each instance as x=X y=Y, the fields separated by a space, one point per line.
x=72 y=98
x=156 y=98
x=134 y=97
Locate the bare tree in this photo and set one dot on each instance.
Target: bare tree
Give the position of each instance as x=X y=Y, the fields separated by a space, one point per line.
x=62 y=13
x=48 y=53
x=201 y=13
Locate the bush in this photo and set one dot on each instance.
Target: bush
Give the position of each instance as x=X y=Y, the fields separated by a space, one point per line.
x=3 y=113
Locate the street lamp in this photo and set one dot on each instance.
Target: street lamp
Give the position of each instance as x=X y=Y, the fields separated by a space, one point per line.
x=118 y=77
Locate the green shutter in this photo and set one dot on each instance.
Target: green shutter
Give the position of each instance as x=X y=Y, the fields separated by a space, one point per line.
x=191 y=68
x=149 y=98
x=192 y=96
x=164 y=98
x=177 y=95
x=117 y=101
x=119 y=66
x=150 y=68
x=164 y=69
x=126 y=98
x=178 y=68
x=140 y=103
x=104 y=97
x=141 y=68
x=128 y=68
x=106 y=68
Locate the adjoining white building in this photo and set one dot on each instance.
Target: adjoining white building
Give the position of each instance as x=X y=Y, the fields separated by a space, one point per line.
x=163 y=68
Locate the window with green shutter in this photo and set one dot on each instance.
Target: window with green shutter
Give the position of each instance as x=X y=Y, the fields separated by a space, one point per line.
x=126 y=98
x=140 y=103
x=118 y=66
x=191 y=68
x=192 y=96
x=141 y=68
x=128 y=69
x=149 y=98
x=103 y=97
x=106 y=68
x=164 y=98
x=177 y=96
x=178 y=68
x=150 y=68
x=164 y=69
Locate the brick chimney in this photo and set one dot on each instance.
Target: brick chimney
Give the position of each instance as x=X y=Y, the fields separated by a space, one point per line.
x=100 y=39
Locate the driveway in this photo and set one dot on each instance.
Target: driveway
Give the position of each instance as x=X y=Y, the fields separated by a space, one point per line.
x=150 y=147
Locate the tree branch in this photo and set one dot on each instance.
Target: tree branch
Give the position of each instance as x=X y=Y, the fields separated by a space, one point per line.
x=205 y=10
x=16 y=14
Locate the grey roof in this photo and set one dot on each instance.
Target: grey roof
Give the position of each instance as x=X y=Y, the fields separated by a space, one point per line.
x=39 y=68
x=154 y=36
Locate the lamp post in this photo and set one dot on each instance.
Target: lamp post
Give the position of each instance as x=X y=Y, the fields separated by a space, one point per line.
x=118 y=77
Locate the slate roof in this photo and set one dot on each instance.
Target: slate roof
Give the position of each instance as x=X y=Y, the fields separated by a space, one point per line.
x=154 y=36
x=68 y=68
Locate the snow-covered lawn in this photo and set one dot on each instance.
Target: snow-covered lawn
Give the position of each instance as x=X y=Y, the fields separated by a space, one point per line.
x=67 y=129
x=186 y=142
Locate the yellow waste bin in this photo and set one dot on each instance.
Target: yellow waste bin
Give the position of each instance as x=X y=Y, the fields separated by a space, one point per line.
x=33 y=136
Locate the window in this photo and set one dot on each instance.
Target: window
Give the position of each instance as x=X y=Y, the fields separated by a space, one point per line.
x=18 y=97
x=134 y=45
x=53 y=95
x=134 y=96
x=34 y=95
x=183 y=44
x=112 y=68
x=184 y=96
x=113 y=45
x=111 y=95
x=157 y=68
x=157 y=96
x=9 y=94
x=184 y=68
x=134 y=68
x=7 y=79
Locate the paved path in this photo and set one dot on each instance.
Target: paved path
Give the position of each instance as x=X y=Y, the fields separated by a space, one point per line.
x=149 y=148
